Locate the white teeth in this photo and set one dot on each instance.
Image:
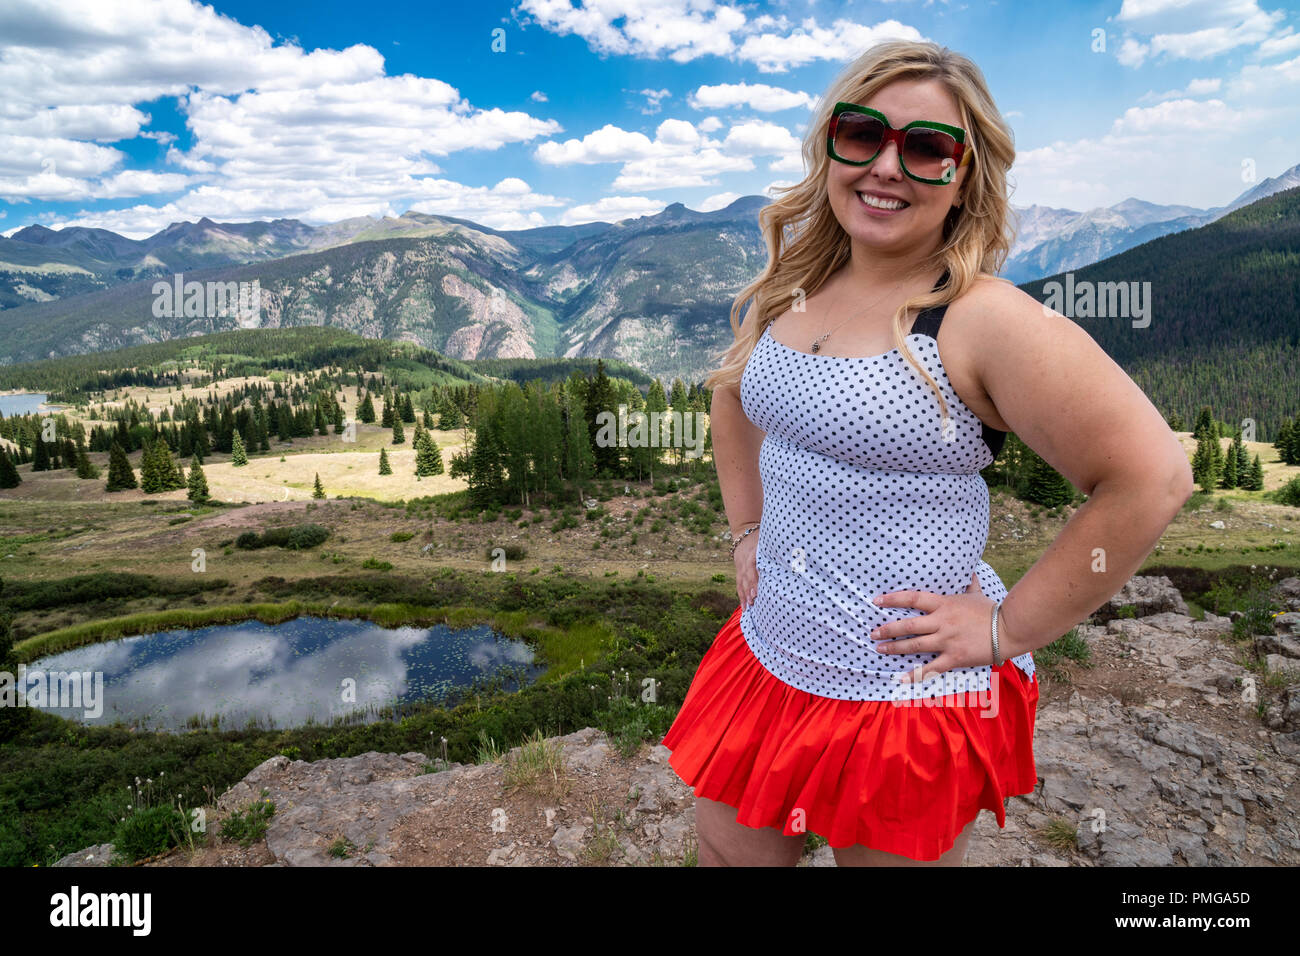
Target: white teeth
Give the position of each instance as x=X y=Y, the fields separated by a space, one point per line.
x=876 y=202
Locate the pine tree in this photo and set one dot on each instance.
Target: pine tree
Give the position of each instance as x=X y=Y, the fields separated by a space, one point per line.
x=318 y=491
x=428 y=459
x=1254 y=480
x=198 y=482
x=120 y=475
x=9 y=477
x=41 y=458
x=238 y=456
x=149 y=481
x=1230 y=470
x=85 y=468
x=384 y=467
x=408 y=409
x=386 y=420
x=1047 y=486
x=366 y=411
x=399 y=436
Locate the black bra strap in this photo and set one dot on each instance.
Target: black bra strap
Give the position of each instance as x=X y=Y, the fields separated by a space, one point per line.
x=927 y=323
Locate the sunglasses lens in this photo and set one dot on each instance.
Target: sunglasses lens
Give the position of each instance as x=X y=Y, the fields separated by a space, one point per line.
x=858 y=137
x=929 y=153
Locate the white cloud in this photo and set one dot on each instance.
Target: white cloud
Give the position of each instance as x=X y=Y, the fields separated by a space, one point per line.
x=1132 y=52
x=275 y=130
x=684 y=30
x=1283 y=42
x=1193 y=29
x=681 y=30
x=717 y=201
x=680 y=156
x=612 y=209
x=653 y=100
x=757 y=96
x=843 y=40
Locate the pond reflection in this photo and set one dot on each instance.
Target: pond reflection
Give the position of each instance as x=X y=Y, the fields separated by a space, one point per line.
x=309 y=669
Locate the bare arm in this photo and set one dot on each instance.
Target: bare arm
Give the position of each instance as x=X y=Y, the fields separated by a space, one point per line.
x=736 y=441
x=1069 y=402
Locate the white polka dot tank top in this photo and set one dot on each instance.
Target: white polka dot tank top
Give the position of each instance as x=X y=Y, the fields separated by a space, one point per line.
x=865 y=491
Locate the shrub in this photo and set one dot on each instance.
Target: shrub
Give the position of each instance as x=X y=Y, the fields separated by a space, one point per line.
x=293 y=537
x=149 y=832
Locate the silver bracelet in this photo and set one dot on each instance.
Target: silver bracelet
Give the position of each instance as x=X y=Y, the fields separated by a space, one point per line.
x=997 y=657
x=742 y=538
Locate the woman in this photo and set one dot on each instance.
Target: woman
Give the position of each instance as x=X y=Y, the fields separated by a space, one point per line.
x=876 y=683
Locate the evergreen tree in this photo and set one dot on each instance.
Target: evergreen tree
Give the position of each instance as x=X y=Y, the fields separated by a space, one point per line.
x=1204 y=424
x=451 y=417
x=384 y=467
x=485 y=479
x=386 y=420
x=399 y=436
x=120 y=474
x=85 y=468
x=238 y=456
x=366 y=411
x=9 y=477
x=198 y=482
x=1243 y=459
x=408 y=409
x=1230 y=469
x=318 y=490
x=1047 y=486
x=41 y=459
x=428 y=459
x=150 y=483
x=1254 y=479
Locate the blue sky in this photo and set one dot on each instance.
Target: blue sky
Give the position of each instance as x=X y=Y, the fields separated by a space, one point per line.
x=131 y=114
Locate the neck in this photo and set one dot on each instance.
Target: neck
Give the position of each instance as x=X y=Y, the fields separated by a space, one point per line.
x=875 y=268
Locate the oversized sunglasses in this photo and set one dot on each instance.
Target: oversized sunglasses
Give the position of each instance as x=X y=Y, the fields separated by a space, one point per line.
x=929 y=152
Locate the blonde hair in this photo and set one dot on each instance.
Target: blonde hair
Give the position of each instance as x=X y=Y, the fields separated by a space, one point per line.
x=805 y=242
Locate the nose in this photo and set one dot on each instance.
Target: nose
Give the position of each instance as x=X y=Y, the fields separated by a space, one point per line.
x=887 y=165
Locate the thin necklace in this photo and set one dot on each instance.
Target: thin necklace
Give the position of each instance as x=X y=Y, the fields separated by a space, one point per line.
x=817 y=342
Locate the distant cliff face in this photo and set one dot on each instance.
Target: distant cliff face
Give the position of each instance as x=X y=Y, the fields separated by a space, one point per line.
x=655 y=292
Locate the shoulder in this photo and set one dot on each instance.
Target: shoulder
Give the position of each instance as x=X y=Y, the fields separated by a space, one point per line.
x=994 y=312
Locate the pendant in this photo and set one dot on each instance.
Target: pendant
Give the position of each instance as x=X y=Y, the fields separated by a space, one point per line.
x=816 y=346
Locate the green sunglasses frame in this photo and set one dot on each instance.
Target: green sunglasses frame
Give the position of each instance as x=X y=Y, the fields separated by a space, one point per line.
x=962 y=157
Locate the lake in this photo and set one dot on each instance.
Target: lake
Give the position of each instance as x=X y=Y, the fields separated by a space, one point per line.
x=23 y=404
x=281 y=675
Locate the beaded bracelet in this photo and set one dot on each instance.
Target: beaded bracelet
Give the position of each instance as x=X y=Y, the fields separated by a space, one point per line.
x=742 y=538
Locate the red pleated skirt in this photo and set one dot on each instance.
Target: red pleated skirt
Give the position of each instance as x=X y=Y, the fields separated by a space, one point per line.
x=895 y=776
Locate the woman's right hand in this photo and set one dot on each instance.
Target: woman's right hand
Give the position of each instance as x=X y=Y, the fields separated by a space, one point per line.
x=747 y=569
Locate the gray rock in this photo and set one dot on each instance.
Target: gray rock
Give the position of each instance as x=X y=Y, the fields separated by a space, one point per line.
x=1150 y=595
x=97 y=855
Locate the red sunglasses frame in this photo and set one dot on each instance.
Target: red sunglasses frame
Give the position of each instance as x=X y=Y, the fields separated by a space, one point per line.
x=961 y=156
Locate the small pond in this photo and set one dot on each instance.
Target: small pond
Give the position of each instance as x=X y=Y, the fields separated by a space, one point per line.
x=23 y=403
x=278 y=675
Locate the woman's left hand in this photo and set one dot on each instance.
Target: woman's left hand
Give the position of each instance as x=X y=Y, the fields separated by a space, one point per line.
x=955 y=626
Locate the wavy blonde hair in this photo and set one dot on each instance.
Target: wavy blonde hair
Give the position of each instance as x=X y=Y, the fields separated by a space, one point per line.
x=806 y=243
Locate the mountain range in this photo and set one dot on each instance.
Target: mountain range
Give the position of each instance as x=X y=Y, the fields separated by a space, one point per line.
x=653 y=291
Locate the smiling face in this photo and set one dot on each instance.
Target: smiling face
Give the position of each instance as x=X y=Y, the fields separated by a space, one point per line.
x=878 y=205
